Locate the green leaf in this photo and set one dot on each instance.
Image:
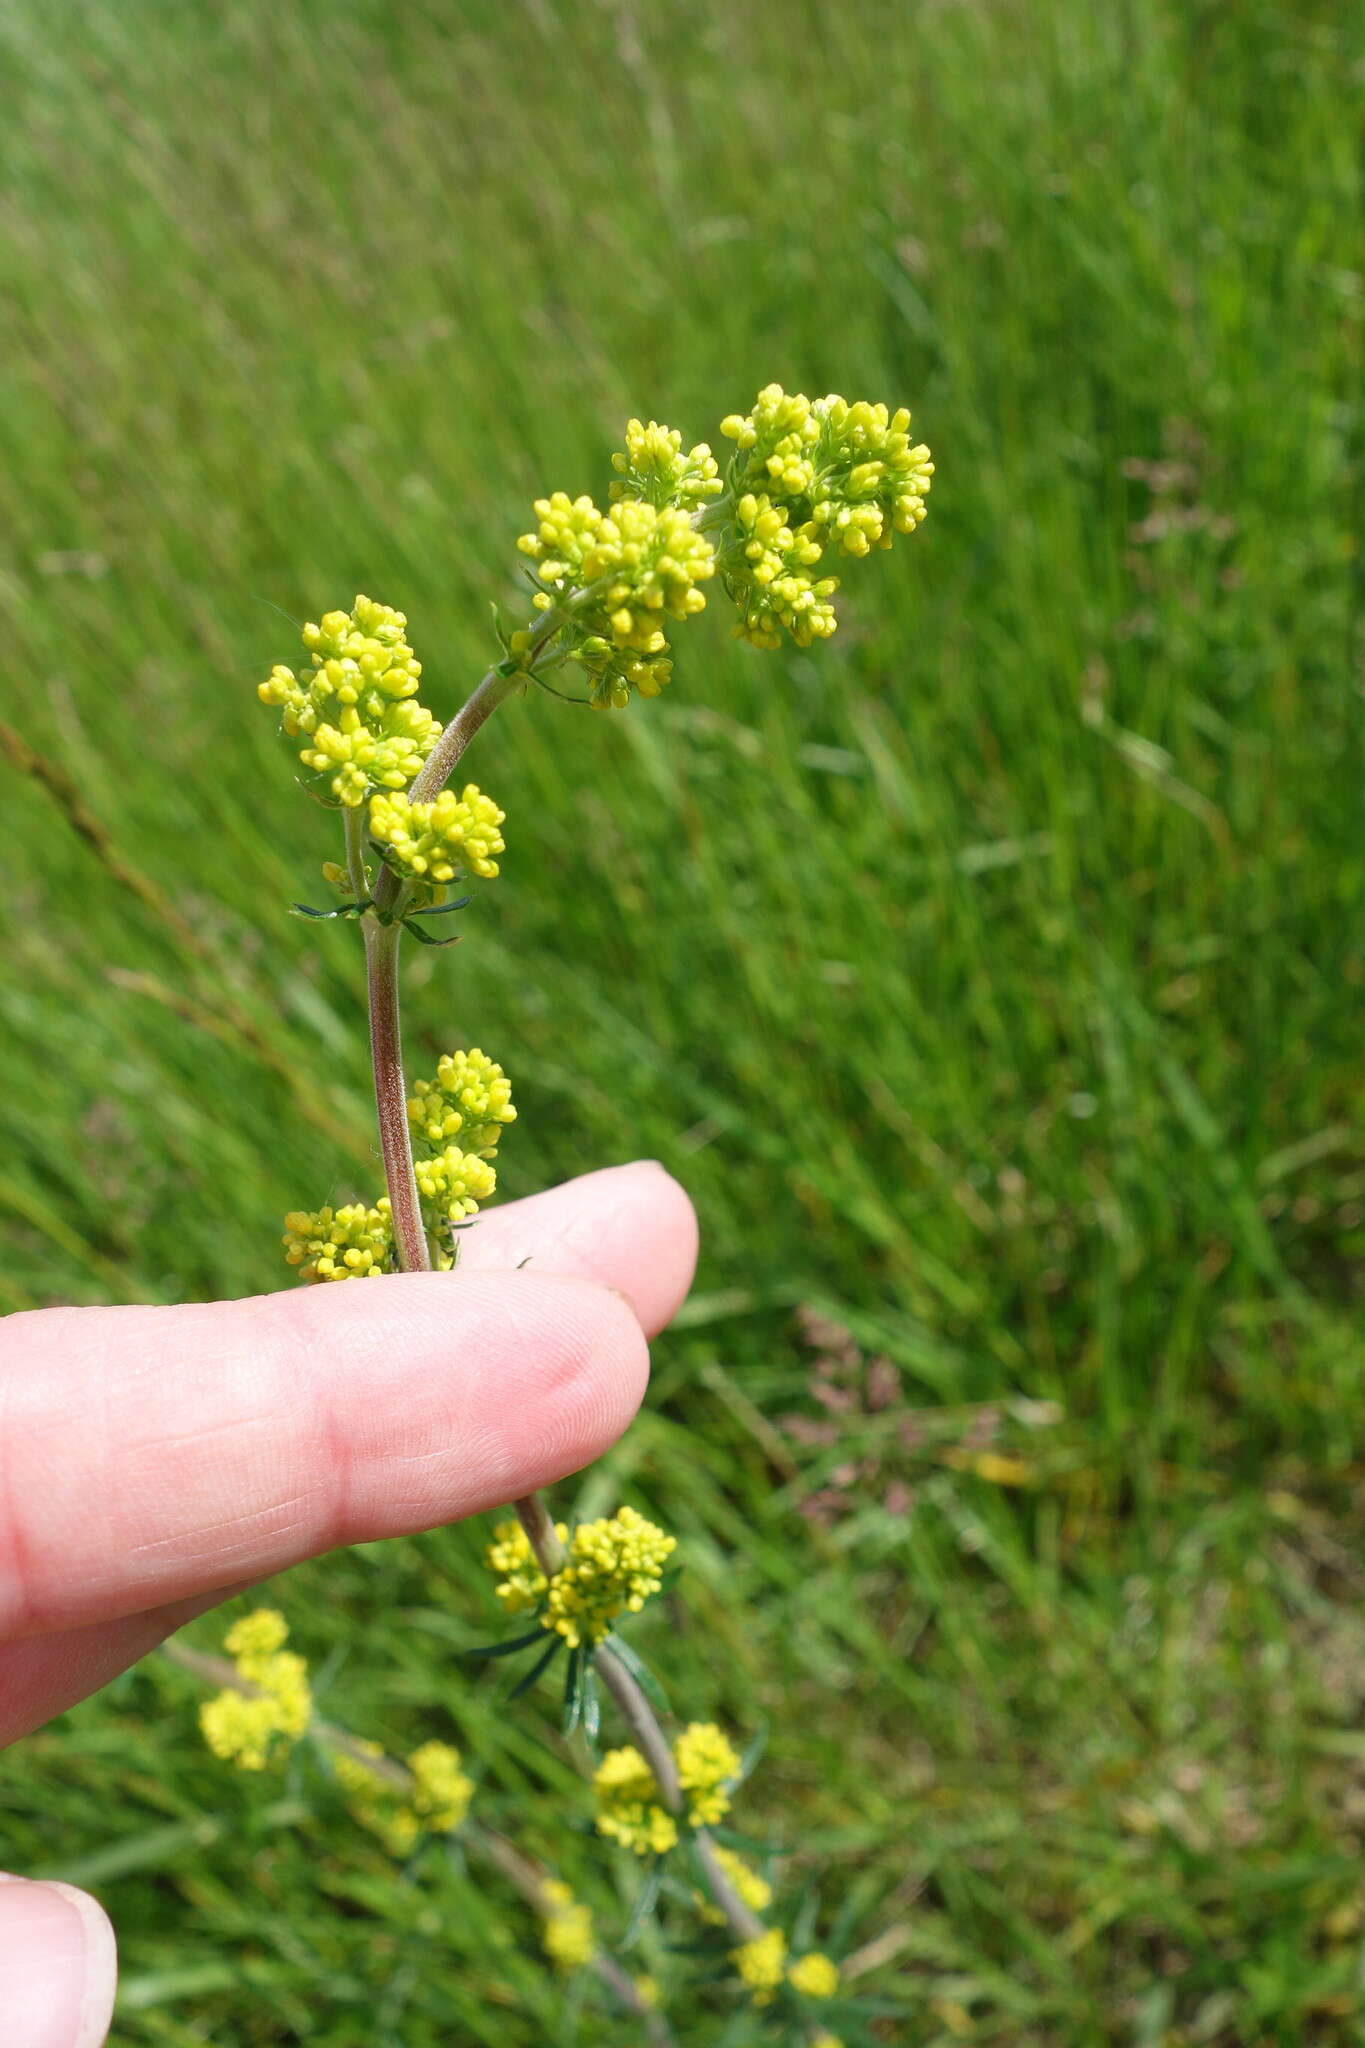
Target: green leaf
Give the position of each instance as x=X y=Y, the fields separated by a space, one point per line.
x=556 y=1644
x=592 y=1709
x=425 y=938
x=573 y=1692
x=343 y=910
x=646 y=1899
x=508 y=1649
x=641 y=1673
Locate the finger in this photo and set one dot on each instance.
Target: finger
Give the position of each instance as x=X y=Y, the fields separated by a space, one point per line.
x=57 y=1964
x=42 y=1675
x=631 y=1227
x=150 y=1454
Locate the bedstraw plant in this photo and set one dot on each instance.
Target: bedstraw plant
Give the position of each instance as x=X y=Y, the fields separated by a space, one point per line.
x=809 y=485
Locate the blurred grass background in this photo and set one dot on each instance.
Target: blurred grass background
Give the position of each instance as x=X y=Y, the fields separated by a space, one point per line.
x=991 y=976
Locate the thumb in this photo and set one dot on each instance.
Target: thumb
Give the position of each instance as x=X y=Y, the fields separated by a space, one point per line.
x=57 y=1964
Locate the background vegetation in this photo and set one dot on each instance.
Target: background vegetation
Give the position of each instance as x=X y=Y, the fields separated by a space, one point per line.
x=991 y=976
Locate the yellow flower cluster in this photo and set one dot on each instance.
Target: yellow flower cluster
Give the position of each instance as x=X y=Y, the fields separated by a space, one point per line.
x=628 y=1809
x=614 y=1565
x=653 y=466
x=437 y=1801
x=567 y=1933
x=435 y=842
x=373 y=1801
x=243 y=1727
x=470 y=1099
x=814 y=1975
x=748 y=1885
x=612 y=1568
x=707 y=1763
x=521 y=1583
x=762 y=1963
x=350 y=1243
x=807 y=475
x=614 y=577
x=441 y=1791
x=849 y=471
x=773 y=587
x=452 y=1184
x=355 y=705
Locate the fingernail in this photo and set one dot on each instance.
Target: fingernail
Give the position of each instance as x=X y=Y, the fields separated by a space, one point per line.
x=57 y=1965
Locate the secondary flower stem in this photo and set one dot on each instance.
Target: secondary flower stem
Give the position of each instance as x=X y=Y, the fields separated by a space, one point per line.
x=390 y=1094
x=643 y=1723
x=444 y=757
x=353 y=825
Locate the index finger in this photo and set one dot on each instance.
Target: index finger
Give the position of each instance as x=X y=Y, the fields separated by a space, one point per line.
x=149 y=1455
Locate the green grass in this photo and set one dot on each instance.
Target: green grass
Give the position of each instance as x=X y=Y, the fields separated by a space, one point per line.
x=991 y=975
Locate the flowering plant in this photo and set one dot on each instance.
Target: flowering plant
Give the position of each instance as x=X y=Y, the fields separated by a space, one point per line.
x=808 y=482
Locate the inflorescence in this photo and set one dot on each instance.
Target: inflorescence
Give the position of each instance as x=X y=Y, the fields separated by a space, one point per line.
x=612 y=1568
x=628 y=1805
x=469 y=1100
x=249 y=1726
x=430 y=1798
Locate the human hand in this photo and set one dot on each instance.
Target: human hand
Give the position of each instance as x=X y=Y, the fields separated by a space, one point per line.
x=154 y=1460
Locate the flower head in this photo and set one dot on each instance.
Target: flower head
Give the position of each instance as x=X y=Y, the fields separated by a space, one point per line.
x=521 y=1583
x=628 y=1808
x=452 y=1183
x=613 y=1567
x=441 y=1791
x=567 y=1933
x=350 y=1243
x=653 y=466
x=767 y=572
x=707 y=1764
x=355 y=706
x=242 y=1727
x=814 y=1975
x=470 y=1099
x=808 y=475
x=761 y=1962
x=435 y=842
x=614 y=577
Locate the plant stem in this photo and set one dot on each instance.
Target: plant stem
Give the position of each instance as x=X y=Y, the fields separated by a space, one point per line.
x=353 y=826
x=390 y=1094
x=444 y=757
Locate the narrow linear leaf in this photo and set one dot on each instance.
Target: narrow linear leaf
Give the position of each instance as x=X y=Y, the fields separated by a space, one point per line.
x=508 y=1649
x=641 y=1673
x=541 y=1664
x=573 y=1692
x=646 y=1899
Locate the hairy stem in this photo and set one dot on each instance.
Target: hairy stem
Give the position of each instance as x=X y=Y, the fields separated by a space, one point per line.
x=390 y=1093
